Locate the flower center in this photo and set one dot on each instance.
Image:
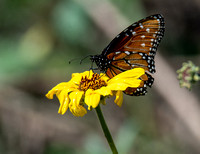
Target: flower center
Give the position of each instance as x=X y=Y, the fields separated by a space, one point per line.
x=94 y=83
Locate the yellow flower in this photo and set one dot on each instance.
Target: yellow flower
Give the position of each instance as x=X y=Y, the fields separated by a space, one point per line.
x=90 y=89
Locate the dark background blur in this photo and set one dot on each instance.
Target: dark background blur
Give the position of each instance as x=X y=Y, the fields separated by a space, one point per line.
x=37 y=40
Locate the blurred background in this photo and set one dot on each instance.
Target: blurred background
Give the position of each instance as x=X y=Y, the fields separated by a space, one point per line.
x=37 y=40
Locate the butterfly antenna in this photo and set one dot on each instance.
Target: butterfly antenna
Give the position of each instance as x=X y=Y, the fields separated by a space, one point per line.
x=73 y=60
x=84 y=59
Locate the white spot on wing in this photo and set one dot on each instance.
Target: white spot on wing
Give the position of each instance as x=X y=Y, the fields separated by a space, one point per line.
x=127 y=52
x=148 y=30
x=133 y=33
x=143 y=44
x=118 y=52
x=143 y=36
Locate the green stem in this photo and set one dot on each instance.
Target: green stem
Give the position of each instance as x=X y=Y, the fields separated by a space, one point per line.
x=106 y=130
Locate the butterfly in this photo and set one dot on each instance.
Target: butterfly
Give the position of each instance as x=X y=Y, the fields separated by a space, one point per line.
x=134 y=47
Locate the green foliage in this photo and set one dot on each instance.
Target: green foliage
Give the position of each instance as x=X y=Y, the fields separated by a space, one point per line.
x=71 y=22
x=59 y=149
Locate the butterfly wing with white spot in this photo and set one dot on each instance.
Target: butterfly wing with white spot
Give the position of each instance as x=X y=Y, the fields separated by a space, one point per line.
x=136 y=47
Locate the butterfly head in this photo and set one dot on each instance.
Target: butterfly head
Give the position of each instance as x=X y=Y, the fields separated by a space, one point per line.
x=101 y=61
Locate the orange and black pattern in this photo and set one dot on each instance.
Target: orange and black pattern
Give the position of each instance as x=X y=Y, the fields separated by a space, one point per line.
x=134 y=47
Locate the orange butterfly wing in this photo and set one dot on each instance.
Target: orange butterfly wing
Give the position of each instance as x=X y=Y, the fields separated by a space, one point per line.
x=136 y=47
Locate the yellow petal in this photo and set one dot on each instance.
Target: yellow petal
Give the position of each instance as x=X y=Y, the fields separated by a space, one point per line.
x=122 y=84
x=65 y=105
x=64 y=102
x=119 y=98
x=50 y=94
x=76 y=77
x=67 y=86
x=63 y=85
x=92 y=99
x=61 y=97
x=133 y=73
x=86 y=73
x=104 y=77
x=61 y=90
x=77 y=110
x=74 y=106
x=105 y=91
x=76 y=96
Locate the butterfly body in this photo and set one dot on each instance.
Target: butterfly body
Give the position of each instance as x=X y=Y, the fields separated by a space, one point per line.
x=101 y=61
x=134 y=47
